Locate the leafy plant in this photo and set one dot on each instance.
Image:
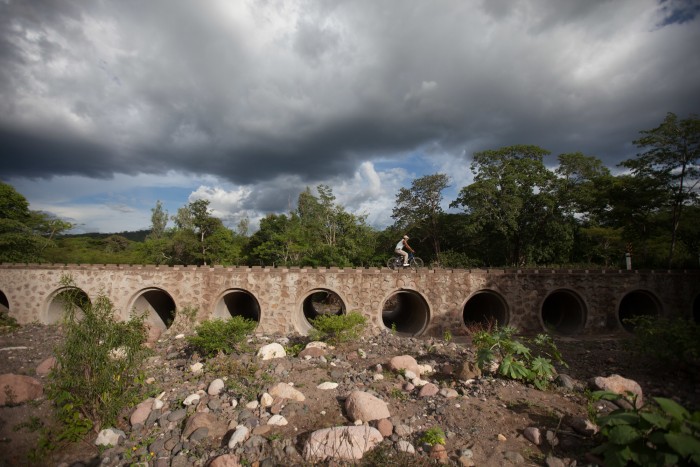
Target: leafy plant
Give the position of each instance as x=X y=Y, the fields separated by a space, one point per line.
x=659 y=433
x=7 y=322
x=97 y=364
x=515 y=359
x=447 y=336
x=220 y=335
x=338 y=328
x=433 y=436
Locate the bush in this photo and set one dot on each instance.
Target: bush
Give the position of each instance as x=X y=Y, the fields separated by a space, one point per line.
x=515 y=359
x=220 y=335
x=670 y=341
x=97 y=365
x=338 y=328
x=662 y=433
x=7 y=322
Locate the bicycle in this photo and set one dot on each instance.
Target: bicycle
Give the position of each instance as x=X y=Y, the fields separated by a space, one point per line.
x=396 y=262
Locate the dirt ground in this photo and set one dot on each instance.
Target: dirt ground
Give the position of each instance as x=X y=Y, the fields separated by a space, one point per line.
x=494 y=407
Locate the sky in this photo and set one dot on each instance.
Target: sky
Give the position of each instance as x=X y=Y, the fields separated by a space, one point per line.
x=109 y=106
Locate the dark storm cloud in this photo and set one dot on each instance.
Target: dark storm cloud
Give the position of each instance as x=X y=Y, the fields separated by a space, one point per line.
x=255 y=91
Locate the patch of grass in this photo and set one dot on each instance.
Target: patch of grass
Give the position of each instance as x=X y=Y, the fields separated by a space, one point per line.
x=669 y=341
x=433 y=436
x=220 y=335
x=7 y=322
x=338 y=328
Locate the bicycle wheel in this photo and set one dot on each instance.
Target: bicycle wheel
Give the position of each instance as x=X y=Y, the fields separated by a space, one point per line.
x=416 y=263
x=392 y=263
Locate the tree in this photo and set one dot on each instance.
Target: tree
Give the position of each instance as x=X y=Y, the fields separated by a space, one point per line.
x=582 y=185
x=159 y=221
x=671 y=155
x=419 y=207
x=513 y=196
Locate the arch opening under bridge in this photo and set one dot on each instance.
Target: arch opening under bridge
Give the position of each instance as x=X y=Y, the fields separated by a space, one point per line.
x=485 y=307
x=158 y=305
x=61 y=299
x=564 y=312
x=406 y=312
x=237 y=302
x=635 y=304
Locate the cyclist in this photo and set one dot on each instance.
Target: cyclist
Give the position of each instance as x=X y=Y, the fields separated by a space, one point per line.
x=399 y=249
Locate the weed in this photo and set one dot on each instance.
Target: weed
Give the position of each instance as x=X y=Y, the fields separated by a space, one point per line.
x=433 y=436
x=517 y=360
x=32 y=425
x=447 y=336
x=293 y=350
x=220 y=335
x=338 y=328
x=96 y=364
x=7 y=322
x=659 y=433
x=398 y=394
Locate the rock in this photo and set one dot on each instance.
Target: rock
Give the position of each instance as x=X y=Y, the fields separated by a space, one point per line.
x=366 y=407
x=428 y=390
x=619 y=385
x=327 y=385
x=141 y=412
x=224 y=460
x=270 y=351
x=342 y=442
x=17 y=389
x=385 y=427
x=215 y=387
x=277 y=420
x=266 y=400
x=239 y=436
x=285 y=391
x=215 y=427
x=581 y=425
x=404 y=362
x=533 y=435
x=197 y=368
x=109 y=437
x=514 y=457
x=439 y=453
x=469 y=370
x=404 y=446
x=192 y=399
x=312 y=352
x=46 y=366
x=448 y=393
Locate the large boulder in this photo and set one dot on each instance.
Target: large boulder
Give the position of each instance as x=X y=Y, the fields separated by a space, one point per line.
x=18 y=389
x=341 y=442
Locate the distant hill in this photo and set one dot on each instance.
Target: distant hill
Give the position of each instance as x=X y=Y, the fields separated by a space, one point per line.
x=136 y=236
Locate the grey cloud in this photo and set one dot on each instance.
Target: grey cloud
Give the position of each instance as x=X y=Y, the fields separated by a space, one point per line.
x=155 y=86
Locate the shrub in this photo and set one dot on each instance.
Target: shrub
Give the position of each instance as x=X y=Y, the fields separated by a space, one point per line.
x=7 y=322
x=338 y=328
x=515 y=359
x=220 y=335
x=97 y=365
x=670 y=341
x=659 y=433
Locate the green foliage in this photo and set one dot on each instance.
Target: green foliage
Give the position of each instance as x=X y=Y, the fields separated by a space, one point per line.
x=218 y=335
x=97 y=364
x=674 y=342
x=433 y=436
x=338 y=328
x=660 y=433
x=515 y=359
x=7 y=322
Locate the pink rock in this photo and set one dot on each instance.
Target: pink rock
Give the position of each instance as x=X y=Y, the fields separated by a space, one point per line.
x=366 y=407
x=225 y=460
x=620 y=385
x=217 y=429
x=405 y=362
x=385 y=427
x=17 y=389
x=141 y=413
x=46 y=366
x=428 y=390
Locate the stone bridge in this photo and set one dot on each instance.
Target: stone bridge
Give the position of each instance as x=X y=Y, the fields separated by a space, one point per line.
x=424 y=302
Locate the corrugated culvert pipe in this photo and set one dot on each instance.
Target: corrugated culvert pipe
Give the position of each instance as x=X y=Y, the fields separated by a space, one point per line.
x=563 y=312
x=406 y=312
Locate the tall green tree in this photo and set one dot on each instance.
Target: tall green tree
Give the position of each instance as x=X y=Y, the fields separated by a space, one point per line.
x=419 y=207
x=159 y=221
x=514 y=196
x=671 y=154
x=25 y=234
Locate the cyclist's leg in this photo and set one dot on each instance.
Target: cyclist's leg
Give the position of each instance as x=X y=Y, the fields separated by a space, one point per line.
x=405 y=256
